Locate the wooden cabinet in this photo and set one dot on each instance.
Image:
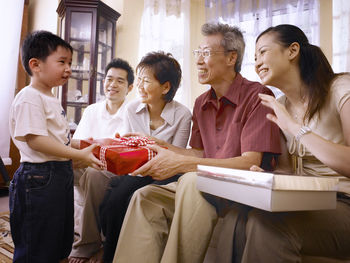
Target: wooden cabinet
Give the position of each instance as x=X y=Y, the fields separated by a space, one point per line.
x=90 y=27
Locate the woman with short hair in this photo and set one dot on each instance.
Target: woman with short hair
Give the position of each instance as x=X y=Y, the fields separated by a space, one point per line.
x=154 y=114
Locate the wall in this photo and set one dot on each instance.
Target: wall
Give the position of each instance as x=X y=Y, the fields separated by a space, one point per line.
x=20 y=83
x=42 y=15
x=13 y=16
x=326 y=28
x=128 y=31
x=128 y=28
x=197 y=20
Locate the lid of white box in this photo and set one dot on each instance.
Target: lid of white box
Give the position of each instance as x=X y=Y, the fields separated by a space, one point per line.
x=270 y=180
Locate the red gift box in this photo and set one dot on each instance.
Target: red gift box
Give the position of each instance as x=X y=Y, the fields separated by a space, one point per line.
x=121 y=155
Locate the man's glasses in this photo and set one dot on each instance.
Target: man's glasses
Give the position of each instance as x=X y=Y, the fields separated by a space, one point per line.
x=206 y=53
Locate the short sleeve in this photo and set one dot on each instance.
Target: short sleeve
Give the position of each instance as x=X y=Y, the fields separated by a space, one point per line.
x=196 y=139
x=30 y=119
x=82 y=131
x=260 y=134
x=340 y=91
x=183 y=126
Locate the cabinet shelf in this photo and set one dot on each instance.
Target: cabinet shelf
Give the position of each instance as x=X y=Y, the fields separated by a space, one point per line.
x=77 y=104
x=84 y=75
x=80 y=74
x=104 y=45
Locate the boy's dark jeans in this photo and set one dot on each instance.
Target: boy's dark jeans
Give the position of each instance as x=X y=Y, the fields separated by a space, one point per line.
x=42 y=211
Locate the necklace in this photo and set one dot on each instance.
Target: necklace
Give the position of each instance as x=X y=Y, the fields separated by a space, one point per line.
x=155 y=124
x=297 y=113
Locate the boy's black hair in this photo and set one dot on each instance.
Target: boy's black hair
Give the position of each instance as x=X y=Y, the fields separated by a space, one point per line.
x=122 y=64
x=40 y=44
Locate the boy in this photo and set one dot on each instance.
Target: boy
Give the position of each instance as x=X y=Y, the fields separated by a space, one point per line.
x=41 y=192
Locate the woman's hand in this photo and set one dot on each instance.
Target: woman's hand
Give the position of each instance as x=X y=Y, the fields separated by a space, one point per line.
x=256 y=168
x=281 y=117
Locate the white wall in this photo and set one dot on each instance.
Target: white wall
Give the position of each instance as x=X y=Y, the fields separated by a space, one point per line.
x=10 y=26
x=42 y=15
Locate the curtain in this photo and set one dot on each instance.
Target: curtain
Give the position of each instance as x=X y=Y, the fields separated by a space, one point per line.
x=254 y=16
x=11 y=15
x=341 y=35
x=165 y=27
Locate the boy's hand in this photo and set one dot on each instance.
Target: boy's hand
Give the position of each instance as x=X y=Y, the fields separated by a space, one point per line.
x=89 y=158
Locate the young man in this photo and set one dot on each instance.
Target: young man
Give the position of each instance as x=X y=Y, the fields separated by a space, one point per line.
x=41 y=192
x=174 y=223
x=100 y=120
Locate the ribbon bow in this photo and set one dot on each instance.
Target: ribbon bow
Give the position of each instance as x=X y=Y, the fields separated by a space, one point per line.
x=135 y=141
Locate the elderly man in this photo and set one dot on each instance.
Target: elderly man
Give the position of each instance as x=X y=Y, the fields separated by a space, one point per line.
x=174 y=223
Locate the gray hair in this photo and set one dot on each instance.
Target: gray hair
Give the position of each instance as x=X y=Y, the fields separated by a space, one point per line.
x=232 y=39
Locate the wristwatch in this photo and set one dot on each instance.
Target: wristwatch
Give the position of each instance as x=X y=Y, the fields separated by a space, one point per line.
x=303 y=130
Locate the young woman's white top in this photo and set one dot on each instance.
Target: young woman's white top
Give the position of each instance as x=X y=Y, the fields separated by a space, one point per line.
x=327 y=125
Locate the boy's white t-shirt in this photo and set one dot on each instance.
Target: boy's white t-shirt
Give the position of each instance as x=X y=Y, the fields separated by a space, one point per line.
x=33 y=112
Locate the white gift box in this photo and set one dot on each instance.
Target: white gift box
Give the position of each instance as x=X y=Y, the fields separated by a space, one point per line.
x=268 y=191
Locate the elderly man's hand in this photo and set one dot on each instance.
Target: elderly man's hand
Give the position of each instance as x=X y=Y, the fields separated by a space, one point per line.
x=165 y=165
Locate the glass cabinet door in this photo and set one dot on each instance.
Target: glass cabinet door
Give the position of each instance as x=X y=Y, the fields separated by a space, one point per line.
x=77 y=96
x=90 y=28
x=104 y=53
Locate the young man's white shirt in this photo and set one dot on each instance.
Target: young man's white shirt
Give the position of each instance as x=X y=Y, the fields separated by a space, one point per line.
x=97 y=122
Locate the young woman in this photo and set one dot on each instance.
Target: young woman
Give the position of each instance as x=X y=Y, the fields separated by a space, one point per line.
x=155 y=114
x=314 y=116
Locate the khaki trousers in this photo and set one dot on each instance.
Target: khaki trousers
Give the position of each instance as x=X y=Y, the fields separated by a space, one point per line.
x=91 y=185
x=170 y=223
x=285 y=236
